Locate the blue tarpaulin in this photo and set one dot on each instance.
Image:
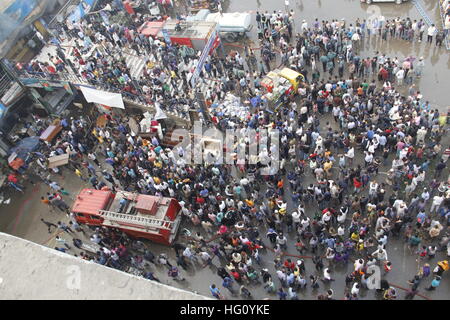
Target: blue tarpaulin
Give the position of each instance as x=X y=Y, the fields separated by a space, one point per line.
x=24 y=147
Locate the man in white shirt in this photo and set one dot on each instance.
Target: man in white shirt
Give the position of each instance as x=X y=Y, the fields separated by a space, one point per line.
x=296 y=218
x=380 y=254
x=350 y=155
x=437 y=201
x=304 y=25
x=368 y=158
x=431 y=32
x=400 y=76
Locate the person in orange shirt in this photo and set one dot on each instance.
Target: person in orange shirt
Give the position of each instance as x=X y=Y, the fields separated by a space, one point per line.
x=280 y=185
x=327 y=167
x=360 y=91
x=47 y=202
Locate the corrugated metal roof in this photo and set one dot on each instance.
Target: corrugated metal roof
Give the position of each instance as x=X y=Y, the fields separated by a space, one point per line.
x=90 y=201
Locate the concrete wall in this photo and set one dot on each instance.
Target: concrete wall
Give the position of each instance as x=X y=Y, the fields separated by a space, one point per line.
x=31 y=271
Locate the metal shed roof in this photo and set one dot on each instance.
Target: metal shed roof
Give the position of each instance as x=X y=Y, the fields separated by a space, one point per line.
x=90 y=201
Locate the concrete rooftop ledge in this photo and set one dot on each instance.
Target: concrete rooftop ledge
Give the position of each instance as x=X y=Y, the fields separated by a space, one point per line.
x=32 y=271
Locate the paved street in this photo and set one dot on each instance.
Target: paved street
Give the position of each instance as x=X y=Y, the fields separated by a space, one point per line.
x=22 y=217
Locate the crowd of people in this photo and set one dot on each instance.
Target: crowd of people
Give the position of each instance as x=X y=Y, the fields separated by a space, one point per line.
x=323 y=202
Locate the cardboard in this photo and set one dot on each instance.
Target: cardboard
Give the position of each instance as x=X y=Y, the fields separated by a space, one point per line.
x=57 y=161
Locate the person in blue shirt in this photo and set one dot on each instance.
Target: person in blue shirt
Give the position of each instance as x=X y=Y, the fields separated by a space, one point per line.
x=131 y=173
x=421 y=217
x=237 y=190
x=215 y=291
x=204 y=193
x=330 y=242
x=110 y=153
x=228 y=284
x=281 y=294
x=64 y=123
x=91 y=169
x=151 y=276
x=434 y=284
x=93 y=180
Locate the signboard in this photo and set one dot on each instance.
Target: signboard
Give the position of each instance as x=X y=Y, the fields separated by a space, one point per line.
x=77 y=14
x=2 y=109
x=206 y=50
x=13 y=14
x=57 y=161
x=166 y=36
x=20 y=9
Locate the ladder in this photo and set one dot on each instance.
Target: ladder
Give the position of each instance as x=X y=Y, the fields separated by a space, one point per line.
x=419 y=7
x=137 y=220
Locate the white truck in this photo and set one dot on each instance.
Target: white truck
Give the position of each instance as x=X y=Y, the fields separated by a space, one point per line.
x=232 y=26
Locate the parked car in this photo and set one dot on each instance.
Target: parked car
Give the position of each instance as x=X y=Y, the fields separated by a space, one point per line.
x=373 y=1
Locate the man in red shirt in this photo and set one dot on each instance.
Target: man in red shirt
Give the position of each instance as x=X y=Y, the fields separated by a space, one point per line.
x=289 y=264
x=383 y=74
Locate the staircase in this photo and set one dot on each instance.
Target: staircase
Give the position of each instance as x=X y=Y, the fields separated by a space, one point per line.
x=133 y=60
x=419 y=6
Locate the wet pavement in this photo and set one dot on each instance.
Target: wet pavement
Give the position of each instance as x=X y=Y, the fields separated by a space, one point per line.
x=21 y=217
x=434 y=82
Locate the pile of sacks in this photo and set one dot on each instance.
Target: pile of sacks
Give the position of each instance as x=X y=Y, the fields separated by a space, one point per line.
x=231 y=107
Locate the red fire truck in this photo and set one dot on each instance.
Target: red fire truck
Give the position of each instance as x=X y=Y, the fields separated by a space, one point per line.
x=139 y=215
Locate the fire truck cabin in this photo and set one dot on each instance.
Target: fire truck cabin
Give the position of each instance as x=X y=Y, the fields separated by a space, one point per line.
x=139 y=215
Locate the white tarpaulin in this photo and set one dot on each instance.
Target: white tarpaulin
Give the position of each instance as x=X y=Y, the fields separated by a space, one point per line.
x=109 y=99
x=159 y=113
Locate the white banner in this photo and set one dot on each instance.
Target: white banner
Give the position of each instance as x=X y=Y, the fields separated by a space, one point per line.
x=109 y=99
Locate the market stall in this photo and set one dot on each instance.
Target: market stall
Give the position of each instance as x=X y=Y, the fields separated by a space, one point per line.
x=50 y=133
x=21 y=153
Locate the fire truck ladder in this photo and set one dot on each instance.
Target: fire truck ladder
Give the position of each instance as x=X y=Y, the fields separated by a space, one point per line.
x=137 y=220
